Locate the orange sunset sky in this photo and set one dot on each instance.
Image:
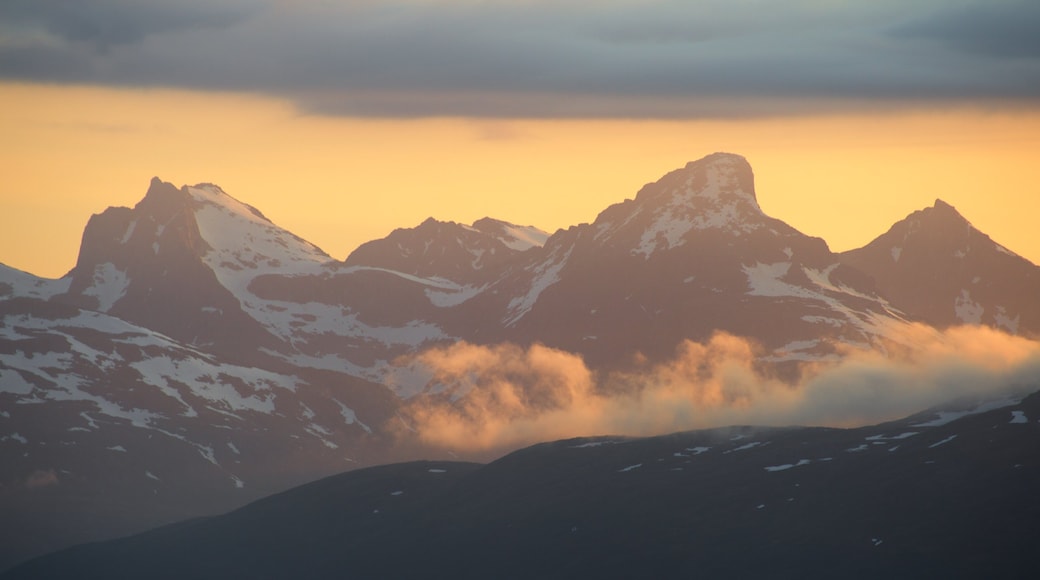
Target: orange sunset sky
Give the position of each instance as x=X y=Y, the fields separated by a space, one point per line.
x=344 y=121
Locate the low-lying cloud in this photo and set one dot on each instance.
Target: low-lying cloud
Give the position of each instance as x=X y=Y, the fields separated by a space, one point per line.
x=498 y=397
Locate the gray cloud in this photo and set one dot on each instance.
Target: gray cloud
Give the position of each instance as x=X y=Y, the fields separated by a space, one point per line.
x=534 y=58
x=102 y=24
x=997 y=29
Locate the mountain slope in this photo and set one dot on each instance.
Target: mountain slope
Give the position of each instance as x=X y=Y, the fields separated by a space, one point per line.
x=467 y=255
x=692 y=254
x=938 y=268
x=943 y=494
x=194 y=332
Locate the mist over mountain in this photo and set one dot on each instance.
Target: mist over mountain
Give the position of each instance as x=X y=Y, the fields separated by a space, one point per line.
x=199 y=357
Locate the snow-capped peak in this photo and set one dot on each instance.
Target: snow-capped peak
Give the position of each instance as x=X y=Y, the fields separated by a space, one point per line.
x=243 y=243
x=515 y=237
x=716 y=192
x=208 y=193
x=728 y=180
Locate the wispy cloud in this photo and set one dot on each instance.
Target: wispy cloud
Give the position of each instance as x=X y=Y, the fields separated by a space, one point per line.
x=535 y=58
x=501 y=397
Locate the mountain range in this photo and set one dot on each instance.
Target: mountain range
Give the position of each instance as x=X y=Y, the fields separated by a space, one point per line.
x=199 y=357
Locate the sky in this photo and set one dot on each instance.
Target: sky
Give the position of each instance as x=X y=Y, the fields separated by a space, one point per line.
x=344 y=120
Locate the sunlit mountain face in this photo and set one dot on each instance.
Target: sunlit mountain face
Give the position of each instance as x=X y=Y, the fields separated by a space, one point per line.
x=199 y=356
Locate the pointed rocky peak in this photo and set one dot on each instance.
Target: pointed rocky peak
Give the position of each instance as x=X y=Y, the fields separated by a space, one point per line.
x=940 y=214
x=159 y=230
x=932 y=233
x=162 y=199
x=936 y=266
x=714 y=196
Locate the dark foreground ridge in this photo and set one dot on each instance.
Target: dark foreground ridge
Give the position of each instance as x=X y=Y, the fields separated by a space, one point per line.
x=936 y=495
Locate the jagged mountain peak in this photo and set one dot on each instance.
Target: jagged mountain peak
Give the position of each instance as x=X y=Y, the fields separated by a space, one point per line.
x=939 y=268
x=208 y=202
x=446 y=249
x=942 y=211
x=516 y=237
x=715 y=194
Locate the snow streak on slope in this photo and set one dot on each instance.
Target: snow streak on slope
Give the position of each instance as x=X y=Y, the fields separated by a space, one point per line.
x=546 y=274
x=523 y=237
x=769 y=280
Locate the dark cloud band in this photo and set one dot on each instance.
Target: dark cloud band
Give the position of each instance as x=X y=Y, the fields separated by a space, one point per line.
x=533 y=58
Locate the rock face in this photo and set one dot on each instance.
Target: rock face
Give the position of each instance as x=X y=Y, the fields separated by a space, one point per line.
x=147 y=265
x=939 y=269
x=198 y=356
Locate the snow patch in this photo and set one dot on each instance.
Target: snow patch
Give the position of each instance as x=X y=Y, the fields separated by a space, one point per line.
x=351 y=417
x=891 y=437
x=209 y=381
x=764 y=280
x=110 y=284
x=966 y=310
x=746 y=446
x=786 y=466
x=1019 y=417
x=592 y=444
x=15 y=437
x=1001 y=318
x=896 y=252
x=27 y=285
x=630 y=468
x=129 y=232
x=944 y=417
x=12 y=382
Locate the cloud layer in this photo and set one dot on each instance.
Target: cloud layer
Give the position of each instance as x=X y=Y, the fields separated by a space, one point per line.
x=501 y=397
x=540 y=58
